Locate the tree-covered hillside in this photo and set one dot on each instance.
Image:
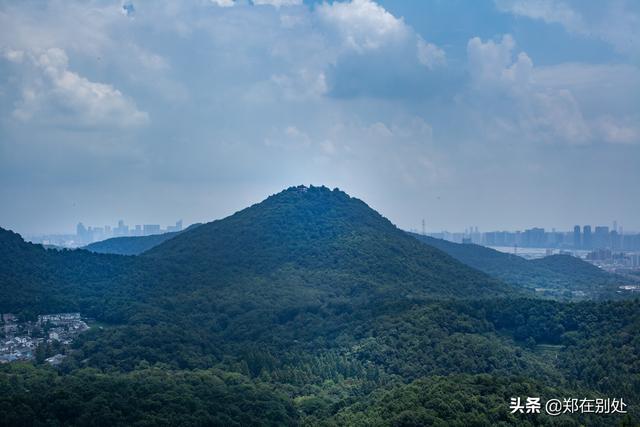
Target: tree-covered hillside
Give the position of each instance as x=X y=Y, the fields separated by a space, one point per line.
x=306 y=309
x=557 y=276
x=36 y=280
x=315 y=230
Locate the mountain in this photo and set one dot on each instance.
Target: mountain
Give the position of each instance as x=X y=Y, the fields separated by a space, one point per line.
x=560 y=276
x=567 y=264
x=316 y=231
x=132 y=245
x=304 y=247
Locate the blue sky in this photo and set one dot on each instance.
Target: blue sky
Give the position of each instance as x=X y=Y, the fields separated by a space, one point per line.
x=500 y=114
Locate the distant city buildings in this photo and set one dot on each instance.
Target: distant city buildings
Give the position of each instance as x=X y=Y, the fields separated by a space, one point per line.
x=610 y=249
x=87 y=234
x=580 y=238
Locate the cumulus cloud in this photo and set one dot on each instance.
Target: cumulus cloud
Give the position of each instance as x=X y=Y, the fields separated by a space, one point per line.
x=549 y=11
x=618 y=130
x=277 y=3
x=301 y=84
x=615 y=22
x=54 y=94
x=491 y=64
x=430 y=55
x=223 y=3
x=376 y=53
x=571 y=103
x=538 y=113
x=363 y=24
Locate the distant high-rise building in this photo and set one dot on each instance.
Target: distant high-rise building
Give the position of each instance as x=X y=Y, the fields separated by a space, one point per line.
x=534 y=238
x=121 y=230
x=615 y=240
x=149 y=229
x=177 y=227
x=601 y=237
x=586 y=237
x=577 y=238
x=82 y=234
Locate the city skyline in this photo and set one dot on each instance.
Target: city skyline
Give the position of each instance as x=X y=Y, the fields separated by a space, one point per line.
x=556 y=237
x=417 y=227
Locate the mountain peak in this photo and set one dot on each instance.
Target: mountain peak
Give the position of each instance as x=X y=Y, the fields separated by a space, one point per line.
x=317 y=232
x=311 y=191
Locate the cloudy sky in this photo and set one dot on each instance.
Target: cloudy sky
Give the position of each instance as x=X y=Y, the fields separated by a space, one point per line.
x=503 y=114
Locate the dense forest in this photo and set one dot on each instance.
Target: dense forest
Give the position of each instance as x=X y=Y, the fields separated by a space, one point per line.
x=306 y=309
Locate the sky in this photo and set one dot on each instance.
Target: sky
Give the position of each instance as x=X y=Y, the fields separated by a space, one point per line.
x=502 y=114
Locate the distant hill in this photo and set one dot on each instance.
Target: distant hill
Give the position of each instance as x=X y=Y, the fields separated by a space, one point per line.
x=560 y=276
x=308 y=231
x=574 y=267
x=132 y=245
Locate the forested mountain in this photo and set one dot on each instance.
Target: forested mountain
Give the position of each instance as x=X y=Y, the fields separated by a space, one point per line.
x=308 y=308
x=558 y=276
x=315 y=230
x=35 y=280
x=132 y=245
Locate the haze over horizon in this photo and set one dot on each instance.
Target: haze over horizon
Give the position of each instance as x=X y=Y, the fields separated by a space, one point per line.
x=417 y=227
x=519 y=114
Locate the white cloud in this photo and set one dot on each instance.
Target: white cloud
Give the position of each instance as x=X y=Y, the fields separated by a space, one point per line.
x=430 y=55
x=549 y=11
x=571 y=103
x=15 y=56
x=277 y=3
x=615 y=22
x=507 y=86
x=223 y=3
x=363 y=24
x=618 y=131
x=53 y=94
x=301 y=84
x=492 y=64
